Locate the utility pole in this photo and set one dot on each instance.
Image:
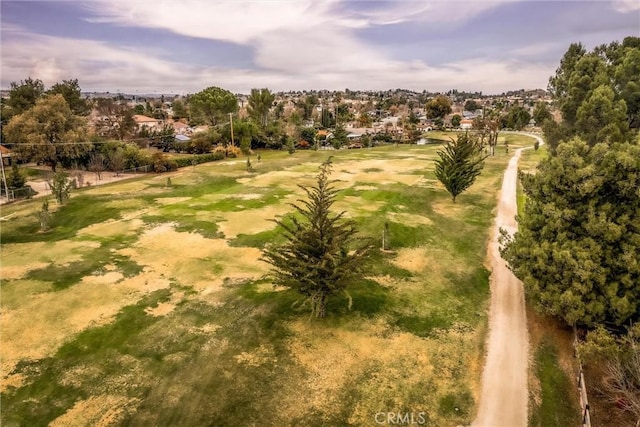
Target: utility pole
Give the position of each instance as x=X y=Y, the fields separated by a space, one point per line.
x=231 y=124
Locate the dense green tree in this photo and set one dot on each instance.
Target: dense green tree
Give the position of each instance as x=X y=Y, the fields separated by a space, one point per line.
x=321 y=256
x=602 y=119
x=308 y=105
x=578 y=84
x=70 y=90
x=471 y=105
x=339 y=136
x=309 y=134
x=23 y=96
x=343 y=114
x=326 y=118
x=413 y=118
x=578 y=242
x=460 y=164
x=260 y=102
x=541 y=113
x=455 y=120
x=278 y=111
x=364 y=120
x=179 y=110
x=213 y=104
x=438 y=107
x=559 y=86
x=16 y=178
x=517 y=118
x=49 y=133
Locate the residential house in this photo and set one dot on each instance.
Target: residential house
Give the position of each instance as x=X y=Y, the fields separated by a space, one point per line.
x=5 y=153
x=149 y=122
x=466 y=124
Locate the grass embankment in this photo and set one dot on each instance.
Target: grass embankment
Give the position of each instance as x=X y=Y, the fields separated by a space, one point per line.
x=146 y=304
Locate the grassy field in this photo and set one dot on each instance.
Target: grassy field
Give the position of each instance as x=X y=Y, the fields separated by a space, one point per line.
x=147 y=304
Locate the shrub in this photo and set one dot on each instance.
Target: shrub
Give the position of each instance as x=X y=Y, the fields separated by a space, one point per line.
x=160 y=163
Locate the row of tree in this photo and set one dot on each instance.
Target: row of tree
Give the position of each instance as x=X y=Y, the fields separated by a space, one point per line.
x=577 y=250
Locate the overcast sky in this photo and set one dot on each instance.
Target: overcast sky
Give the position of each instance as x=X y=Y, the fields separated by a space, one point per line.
x=154 y=46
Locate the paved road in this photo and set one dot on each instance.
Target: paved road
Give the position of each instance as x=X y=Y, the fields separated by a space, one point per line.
x=504 y=393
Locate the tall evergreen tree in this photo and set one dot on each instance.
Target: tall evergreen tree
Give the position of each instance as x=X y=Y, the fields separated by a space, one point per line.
x=320 y=257
x=579 y=238
x=459 y=165
x=260 y=102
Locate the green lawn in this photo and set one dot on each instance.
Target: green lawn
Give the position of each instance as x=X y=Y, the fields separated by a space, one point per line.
x=147 y=304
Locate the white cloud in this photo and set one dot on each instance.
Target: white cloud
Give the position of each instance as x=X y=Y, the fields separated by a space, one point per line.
x=234 y=21
x=537 y=49
x=99 y=66
x=626 y=6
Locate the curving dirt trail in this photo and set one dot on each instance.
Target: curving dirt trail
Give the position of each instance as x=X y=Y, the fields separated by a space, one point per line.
x=504 y=393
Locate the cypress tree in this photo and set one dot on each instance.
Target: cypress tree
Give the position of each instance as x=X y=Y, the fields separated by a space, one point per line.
x=321 y=255
x=459 y=164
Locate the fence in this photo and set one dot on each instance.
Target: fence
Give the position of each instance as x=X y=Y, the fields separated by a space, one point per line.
x=585 y=415
x=18 y=193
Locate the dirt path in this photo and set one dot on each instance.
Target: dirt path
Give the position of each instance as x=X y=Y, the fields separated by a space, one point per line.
x=504 y=394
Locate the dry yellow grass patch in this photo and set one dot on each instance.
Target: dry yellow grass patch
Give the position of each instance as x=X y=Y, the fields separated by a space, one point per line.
x=124 y=187
x=171 y=200
x=254 y=220
x=164 y=308
x=409 y=219
x=412 y=259
x=270 y=287
x=125 y=204
x=42 y=323
x=192 y=259
x=336 y=357
x=260 y=356
x=11 y=381
x=99 y=411
x=355 y=203
x=448 y=208
x=282 y=178
x=112 y=228
x=20 y=258
x=364 y=187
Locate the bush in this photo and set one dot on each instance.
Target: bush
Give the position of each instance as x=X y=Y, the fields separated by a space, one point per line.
x=160 y=163
x=198 y=158
x=228 y=151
